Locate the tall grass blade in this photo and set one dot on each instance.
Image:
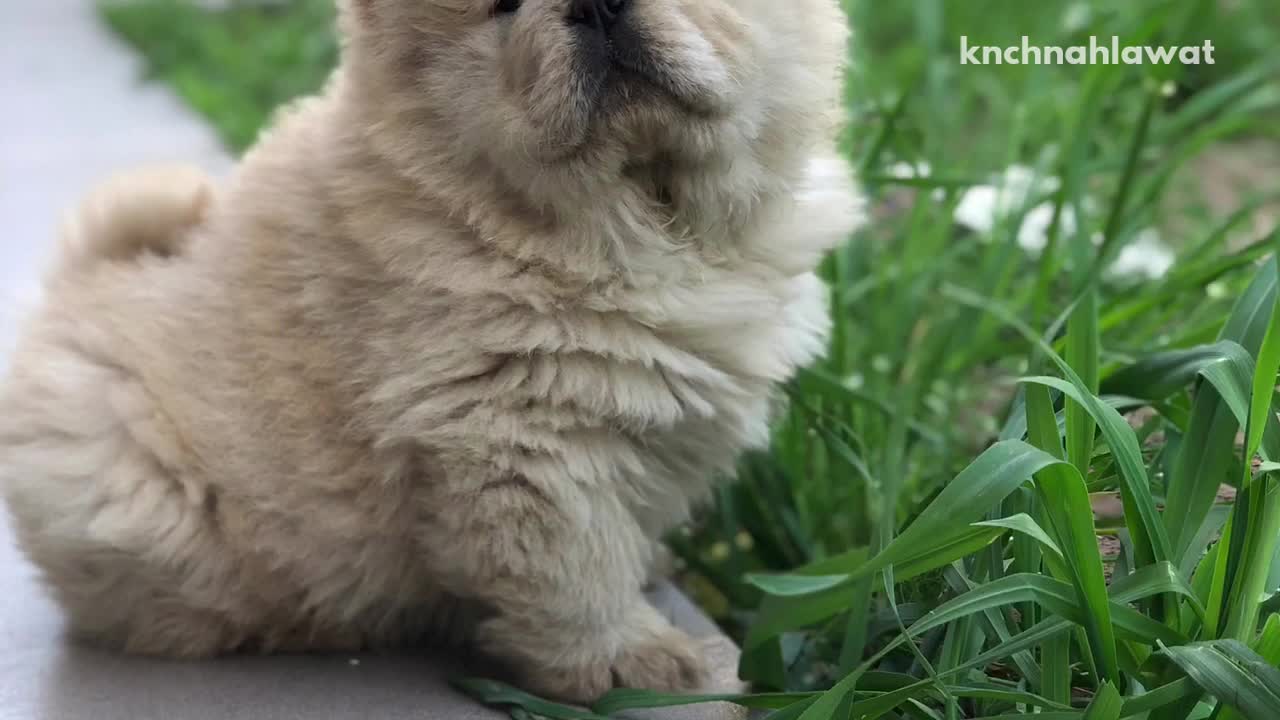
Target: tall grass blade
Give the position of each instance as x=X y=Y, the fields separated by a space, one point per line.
x=1231 y=672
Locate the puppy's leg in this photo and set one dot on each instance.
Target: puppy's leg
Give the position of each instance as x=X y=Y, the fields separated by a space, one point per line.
x=126 y=543
x=563 y=569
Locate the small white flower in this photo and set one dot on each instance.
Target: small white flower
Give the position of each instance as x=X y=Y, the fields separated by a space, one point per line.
x=977 y=209
x=1146 y=257
x=982 y=207
x=1021 y=182
x=1077 y=17
x=919 y=170
x=855 y=381
x=1216 y=290
x=910 y=171
x=1033 y=235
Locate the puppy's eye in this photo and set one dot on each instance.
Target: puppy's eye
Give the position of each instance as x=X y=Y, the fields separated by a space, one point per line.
x=506 y=7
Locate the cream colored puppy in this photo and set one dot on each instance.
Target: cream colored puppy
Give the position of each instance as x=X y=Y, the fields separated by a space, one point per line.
x=462 y=338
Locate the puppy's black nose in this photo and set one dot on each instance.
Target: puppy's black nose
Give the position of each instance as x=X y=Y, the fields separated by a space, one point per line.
x=598 y=15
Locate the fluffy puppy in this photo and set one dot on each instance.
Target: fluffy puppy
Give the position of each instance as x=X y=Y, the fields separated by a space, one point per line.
x=460 y=340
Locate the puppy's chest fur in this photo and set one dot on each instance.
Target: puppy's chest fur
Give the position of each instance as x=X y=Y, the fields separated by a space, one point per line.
x=647 y=391
x=477 y=352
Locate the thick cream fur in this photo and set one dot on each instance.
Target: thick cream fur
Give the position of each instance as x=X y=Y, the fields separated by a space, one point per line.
x=458 y=342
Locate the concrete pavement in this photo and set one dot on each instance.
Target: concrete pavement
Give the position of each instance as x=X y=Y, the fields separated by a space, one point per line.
x=74 y=110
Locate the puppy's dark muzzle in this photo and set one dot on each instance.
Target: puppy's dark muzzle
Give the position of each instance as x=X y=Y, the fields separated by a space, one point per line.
x=615 y=53
x=598 y=17
x=606 y=37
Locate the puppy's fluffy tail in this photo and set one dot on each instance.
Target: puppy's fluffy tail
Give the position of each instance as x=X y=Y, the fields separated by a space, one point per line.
x=145 y=212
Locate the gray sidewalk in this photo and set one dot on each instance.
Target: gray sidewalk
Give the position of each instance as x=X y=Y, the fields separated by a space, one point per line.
x=73 y=111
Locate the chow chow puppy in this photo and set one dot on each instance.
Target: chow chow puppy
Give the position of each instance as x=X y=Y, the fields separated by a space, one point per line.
x=462 y=337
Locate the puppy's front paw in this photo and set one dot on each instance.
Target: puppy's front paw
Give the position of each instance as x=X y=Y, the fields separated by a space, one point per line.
x=669 y=661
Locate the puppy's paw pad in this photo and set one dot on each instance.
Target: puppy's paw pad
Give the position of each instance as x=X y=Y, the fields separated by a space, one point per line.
x=670 y=663
x=581 y=686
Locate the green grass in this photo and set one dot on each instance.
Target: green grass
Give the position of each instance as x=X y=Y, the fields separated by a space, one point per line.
x=920 y=540
x=236 y=66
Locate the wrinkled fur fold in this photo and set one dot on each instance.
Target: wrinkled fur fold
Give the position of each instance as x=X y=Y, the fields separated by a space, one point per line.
x=463 y=336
